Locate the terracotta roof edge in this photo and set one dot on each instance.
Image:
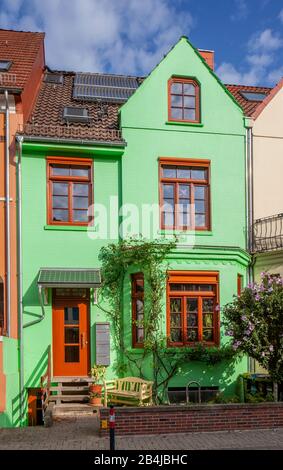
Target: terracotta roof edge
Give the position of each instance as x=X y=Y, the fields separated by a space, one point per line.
x=268 y=98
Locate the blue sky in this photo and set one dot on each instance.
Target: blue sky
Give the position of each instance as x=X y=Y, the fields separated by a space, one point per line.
x=131 y=36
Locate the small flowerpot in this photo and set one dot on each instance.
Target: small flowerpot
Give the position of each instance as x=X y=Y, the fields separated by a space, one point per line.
x=95 y=394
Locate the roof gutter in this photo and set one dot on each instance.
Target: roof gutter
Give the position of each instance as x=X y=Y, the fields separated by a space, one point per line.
x=58 y=140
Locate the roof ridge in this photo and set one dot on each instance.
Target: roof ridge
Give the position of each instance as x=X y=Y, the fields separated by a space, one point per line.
x=41 y=33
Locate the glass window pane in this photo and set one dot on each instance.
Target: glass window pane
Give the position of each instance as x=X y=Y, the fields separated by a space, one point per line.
x=176 y=113
x=184 y=191
x=175 y=305
x=139 y=285
x=176 y=336
x=140 y=335
x=60 y=215
x=72 y=354
x=80 y=171
x=183 y=172
x=184 y=219
x=168 y=190
x=169 y=171
x=80 y=189
x=168 y=219
x=199 y=192
x=168 y=205
x=208 y=335
x=71 y=315
x=192 y=335
x=176 y=100
x=198 y=174
x=200 y=207
x=176 y=88
x=192 y=305
x=208 y=320
x=60 y=189
x=189 y=89
x=80 y=202
x=139 y=307
x=60 y=170
x=60 y=202
x=175 y=320
x=200 y=220
x=80 y=216
x=192 y=320
x=72 y=335
x=189 y=102
x=189 y=114
x=207 y=305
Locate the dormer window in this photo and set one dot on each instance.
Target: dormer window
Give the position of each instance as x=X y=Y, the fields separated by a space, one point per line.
x=184 y=102
x=5 y=65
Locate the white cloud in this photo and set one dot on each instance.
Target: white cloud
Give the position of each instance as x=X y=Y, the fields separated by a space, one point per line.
x=260 y=56
x=240 y=10
x=275 y=75
x=265 y=41
x=125 y=36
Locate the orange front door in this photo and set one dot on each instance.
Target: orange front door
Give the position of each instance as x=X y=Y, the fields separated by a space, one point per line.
x=70 y=338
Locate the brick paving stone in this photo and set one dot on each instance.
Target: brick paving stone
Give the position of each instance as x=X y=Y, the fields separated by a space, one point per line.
x=82 y=434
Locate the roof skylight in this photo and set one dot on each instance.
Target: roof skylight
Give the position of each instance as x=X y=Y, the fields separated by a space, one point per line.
x=5 y=65
x=253 y=96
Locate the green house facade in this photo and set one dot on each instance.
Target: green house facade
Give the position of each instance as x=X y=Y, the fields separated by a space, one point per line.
x=169 y=161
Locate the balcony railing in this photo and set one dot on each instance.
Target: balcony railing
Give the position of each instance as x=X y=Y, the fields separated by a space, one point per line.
x=268 y=233
x=71 y=132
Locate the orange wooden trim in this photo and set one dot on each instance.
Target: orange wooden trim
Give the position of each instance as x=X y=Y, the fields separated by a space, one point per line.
x=70 y=160
x=197 y=98
x=134 y=278
x=240 y=279
x=184 y=161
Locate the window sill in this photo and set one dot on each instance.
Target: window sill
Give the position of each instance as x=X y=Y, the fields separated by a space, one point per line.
x=75 y=228
x=180 y=123
x=185 y=232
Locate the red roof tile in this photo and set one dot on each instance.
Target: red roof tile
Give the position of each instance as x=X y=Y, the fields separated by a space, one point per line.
x=47 y=116
x=21 y=48
x=248 y=106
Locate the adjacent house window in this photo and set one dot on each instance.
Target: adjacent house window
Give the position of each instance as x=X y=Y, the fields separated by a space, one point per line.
x=192 y=316
x=184 y=194
x=69 y=191
x=183 y=100
x=2 y=317
x=138 y=309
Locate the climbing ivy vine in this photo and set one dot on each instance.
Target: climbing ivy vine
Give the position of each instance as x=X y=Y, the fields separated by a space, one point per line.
x=156 y=361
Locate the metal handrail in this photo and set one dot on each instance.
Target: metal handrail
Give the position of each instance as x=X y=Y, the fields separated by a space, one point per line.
x=187 y=391
x=45 y=383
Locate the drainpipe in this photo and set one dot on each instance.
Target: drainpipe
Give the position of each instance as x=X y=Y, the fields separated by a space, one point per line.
x=19 y=140
x=250 y=213
x=7 y=213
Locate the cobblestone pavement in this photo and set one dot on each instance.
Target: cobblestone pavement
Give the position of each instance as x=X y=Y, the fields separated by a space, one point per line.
x=82 y=434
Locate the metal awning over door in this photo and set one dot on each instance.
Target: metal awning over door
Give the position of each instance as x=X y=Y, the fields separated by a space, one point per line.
x=71 y=278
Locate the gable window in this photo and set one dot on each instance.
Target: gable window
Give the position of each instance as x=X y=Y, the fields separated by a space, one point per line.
x=138 y=309
x=192 y=316
x=184 y=194
x=69 y=191
x=183 y=100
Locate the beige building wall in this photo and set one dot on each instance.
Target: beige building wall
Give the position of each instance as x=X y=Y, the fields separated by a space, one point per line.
x=268 y=159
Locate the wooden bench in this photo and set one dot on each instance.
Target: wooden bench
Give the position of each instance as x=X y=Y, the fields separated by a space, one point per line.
x=128 y=391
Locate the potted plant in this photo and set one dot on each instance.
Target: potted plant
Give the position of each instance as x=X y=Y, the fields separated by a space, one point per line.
x=97 y=374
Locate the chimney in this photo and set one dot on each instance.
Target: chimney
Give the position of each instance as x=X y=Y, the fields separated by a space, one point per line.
x=208 y=57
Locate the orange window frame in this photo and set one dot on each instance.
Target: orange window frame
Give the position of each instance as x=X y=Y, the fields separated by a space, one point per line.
x=240 y=281
x=135 y=296
x=203 y=164
x=70 y=180
x=193 y=277
x=183 y=81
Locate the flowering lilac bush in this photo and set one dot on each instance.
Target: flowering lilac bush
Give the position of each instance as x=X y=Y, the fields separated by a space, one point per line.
x=254 y=321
